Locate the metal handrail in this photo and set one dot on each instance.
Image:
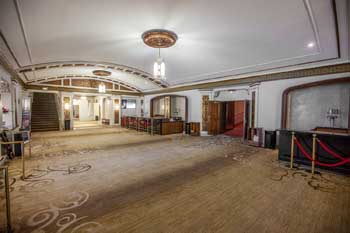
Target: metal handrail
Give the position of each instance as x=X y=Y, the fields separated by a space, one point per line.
x=22 y=153
x=7 y=197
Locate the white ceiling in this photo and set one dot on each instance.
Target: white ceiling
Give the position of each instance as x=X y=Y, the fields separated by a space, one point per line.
x=216 y=38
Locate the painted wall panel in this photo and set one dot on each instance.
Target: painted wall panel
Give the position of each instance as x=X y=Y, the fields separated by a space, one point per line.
x=270 y=99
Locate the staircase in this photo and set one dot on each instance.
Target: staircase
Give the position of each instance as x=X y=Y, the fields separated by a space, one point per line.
x=44 y=113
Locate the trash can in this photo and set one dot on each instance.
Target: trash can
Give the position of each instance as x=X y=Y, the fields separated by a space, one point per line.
x=188 y=128
x=66 y=124
x=18 y=147
x=270 y=139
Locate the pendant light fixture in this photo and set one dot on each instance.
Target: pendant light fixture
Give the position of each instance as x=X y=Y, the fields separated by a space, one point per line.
x=159 y=67
x=159 y=38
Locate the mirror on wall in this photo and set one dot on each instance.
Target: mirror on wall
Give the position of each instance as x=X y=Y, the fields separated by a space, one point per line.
x=169 y=106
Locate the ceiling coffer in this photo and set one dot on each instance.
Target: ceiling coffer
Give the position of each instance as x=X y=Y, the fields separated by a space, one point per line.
x=103 y=73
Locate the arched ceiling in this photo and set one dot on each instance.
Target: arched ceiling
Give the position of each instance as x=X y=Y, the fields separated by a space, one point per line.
x=126 y=76
x=46 y=39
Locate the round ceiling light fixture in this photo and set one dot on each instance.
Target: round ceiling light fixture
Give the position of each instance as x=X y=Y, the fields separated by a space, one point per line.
x=159 y=38
x=101 y=73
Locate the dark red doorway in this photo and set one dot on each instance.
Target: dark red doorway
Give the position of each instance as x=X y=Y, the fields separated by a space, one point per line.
x=234 y=122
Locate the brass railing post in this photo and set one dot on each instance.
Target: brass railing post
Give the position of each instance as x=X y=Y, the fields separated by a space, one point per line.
x=7 y=196
x=292 y=151
x=313 y=153
x=23 y=165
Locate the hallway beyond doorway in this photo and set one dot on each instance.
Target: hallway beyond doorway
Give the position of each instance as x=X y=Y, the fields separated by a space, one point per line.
x=86 y=124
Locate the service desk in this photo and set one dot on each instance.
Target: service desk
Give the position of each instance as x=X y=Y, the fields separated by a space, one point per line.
x=172 y=127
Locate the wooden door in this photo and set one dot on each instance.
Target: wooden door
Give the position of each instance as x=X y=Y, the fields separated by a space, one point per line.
x=239 y=118
x=205 y=113
x=116 y=111
x=246 y=120
x=230 y=115
x=214 y=118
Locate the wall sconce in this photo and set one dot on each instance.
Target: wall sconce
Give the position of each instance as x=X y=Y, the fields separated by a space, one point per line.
x=117 y=107
x=76 y=102
x=66 y=106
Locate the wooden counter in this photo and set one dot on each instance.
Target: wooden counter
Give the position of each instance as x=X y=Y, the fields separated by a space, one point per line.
x=172 y=127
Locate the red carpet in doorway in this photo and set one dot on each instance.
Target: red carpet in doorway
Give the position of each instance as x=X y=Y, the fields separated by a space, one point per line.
x=235 y=132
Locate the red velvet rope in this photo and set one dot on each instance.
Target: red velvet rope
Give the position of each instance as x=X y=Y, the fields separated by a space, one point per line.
x=326 y=148
x=317 y=162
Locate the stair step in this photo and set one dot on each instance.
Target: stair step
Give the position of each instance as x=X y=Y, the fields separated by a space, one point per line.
x=44 y=113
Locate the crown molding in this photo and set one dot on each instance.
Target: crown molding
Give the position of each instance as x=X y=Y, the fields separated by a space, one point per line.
x=302 y=73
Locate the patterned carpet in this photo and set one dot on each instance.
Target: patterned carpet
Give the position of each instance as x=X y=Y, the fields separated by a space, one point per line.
x=116 y=180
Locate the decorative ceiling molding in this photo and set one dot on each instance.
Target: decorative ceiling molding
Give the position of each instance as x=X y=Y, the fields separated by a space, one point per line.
x=186 y=81
x=308 y=8
x=311 y=16
x=6 y=65
x=317 y=71
x=23 y=31
x=97 y=65
x=80 y=89
x=70 y=77
x=159 y=38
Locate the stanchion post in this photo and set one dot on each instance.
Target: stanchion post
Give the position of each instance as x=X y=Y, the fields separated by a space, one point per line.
x=30 y=148
x=7 y=196
x=152 y=126
x=313 y=154
x=23 y=165
x=292 y=150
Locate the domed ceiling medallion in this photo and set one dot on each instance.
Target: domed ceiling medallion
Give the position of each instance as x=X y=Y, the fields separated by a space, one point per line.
x=101 y=73
x=159 y=38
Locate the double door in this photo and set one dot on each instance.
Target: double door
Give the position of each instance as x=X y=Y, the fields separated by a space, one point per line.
x=228 y=117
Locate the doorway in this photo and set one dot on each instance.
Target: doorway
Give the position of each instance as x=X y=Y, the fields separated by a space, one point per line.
x=229 y=118
x=86 y=112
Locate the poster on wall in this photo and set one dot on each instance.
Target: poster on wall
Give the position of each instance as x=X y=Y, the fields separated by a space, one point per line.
x=26 y=117
x=128 y=103
x=124 y=104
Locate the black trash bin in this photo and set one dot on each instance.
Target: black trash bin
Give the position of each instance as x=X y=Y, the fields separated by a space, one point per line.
x=188 y=128
x=18 y=148
x=270 y=139
x=66 y=124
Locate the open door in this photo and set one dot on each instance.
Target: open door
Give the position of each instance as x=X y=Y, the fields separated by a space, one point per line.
x=235 y=118
x=230 y=118
x=214 y=118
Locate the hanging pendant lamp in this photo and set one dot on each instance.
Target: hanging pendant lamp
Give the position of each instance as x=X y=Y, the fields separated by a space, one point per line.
x=159 y=38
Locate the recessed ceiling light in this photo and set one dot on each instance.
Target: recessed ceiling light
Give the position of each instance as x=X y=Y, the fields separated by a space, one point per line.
x=45 y=88
x=311 y=45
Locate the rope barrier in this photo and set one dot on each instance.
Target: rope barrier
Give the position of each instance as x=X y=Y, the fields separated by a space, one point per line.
x=327 y=149
x=303 y=151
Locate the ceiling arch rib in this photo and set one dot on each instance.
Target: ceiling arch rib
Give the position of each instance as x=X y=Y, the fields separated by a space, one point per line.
x=126 y=75
x=71 y=81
